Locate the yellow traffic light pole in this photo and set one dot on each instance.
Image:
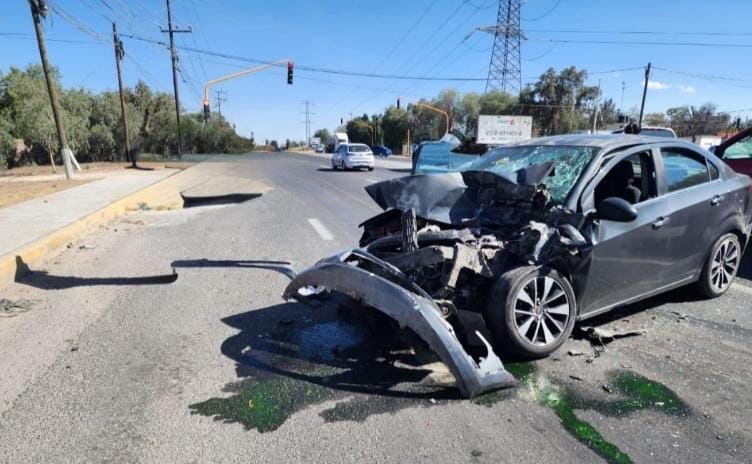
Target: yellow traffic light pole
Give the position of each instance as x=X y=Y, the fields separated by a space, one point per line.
x=245 y=72
x=366 y=125
x=446 y=115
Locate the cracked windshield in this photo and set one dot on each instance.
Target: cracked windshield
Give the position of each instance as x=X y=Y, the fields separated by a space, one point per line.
x=333 y=231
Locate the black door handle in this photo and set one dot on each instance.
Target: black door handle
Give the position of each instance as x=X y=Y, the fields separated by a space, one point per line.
x=717 y=200
x=660 y=222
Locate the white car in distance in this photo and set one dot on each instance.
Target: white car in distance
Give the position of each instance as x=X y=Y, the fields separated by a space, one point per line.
x=352 y=156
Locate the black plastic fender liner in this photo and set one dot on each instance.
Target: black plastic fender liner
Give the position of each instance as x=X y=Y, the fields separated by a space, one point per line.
x=410 y=310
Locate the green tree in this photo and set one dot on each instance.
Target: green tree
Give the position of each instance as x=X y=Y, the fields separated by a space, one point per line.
x=654 y=119
x=394 y=125
x=607 y=113
x=357 y=132
x=558 y=102
x=691 y=121
x=324 y=135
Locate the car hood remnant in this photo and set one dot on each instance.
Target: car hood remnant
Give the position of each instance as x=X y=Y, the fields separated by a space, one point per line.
x=456 y=197
x=431 y=259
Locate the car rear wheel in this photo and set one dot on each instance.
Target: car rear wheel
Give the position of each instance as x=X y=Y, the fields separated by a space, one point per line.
x=370 y=168
x=531 y=311
x=721 y=266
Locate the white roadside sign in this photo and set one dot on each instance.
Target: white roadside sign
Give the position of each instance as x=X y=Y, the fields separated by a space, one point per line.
x=497 y=130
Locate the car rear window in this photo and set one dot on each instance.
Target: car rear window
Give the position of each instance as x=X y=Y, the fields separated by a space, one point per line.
x=359 y=149
x=683 y=170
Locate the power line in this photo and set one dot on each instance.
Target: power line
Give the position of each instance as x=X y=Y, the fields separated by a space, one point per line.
x=319 y=69
x=623 y=32
x=626 y=42
x=396 y=46
x=709 y=77
x=548 y=12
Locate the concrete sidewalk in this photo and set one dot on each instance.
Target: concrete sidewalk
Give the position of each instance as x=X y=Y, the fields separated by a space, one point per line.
x=30 y=230
x=23 y=223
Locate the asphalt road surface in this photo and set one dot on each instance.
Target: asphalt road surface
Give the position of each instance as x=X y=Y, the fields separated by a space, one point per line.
x=112 y=359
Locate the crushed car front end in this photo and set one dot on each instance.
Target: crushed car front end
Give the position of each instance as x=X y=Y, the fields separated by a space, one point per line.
x=432 y=258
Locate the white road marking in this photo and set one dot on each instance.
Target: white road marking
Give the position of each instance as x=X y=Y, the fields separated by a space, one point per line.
x=320 y=229
x=372 y=180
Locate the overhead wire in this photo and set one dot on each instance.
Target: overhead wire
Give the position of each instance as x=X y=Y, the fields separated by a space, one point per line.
x=626 y=42
x=394 y=48
x=548 y=12
x=424 y=56
x=638 y=32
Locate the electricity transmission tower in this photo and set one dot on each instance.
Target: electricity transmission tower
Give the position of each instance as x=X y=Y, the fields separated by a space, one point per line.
x=505 y=70
x=308 y=121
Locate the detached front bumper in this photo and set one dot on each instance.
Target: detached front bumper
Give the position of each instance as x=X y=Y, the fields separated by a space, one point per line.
x=379 y=285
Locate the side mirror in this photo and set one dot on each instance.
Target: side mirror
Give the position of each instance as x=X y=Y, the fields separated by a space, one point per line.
x=616 y=209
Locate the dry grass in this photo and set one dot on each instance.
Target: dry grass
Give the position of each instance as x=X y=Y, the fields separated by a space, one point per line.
x=17 y=192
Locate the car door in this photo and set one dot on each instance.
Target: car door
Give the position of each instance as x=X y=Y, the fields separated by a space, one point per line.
x=628 y=259
x=737 y=152
x=695 y=198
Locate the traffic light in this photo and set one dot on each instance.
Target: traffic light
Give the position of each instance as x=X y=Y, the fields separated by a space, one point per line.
x=207 y=111
x=289 y=72
x=398 y=103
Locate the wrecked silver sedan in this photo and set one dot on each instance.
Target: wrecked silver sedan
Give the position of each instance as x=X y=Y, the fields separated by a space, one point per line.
x=531 y=237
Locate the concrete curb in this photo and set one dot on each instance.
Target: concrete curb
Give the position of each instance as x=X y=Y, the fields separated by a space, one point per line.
x=162 y=194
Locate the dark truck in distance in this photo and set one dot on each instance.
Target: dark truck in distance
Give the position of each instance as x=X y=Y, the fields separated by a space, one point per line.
x=534 y=236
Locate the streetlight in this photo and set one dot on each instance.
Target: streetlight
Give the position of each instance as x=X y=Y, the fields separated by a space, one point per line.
x=433 y=108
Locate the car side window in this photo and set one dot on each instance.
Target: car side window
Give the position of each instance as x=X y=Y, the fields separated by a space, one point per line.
x=632 y=179
x=684 y=169
x=740 y=150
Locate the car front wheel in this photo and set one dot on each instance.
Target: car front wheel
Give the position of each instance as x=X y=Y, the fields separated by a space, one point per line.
x=721 y=266
x=531 y=311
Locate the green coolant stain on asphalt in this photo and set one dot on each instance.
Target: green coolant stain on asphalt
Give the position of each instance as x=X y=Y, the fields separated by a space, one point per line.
x=263 y=405
x=636 y=393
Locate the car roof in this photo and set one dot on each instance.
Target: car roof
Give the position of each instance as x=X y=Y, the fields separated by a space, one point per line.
x=606 y=142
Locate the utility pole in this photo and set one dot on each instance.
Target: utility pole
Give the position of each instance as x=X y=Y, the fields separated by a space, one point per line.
x=644 y=93
x=39 y=10
x=623 y=88
x=119 y=53
x=218 y=96
x=174 y=57
x=596 y=108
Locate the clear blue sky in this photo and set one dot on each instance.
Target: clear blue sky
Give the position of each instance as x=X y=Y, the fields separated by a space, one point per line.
x=416 y=37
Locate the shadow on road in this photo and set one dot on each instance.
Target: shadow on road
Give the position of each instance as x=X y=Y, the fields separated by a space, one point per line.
x=45 y=281
x=745 y=270
x=341 y=170
x=283 y=267
x=229 y=199
x=402 y=170
x=290 y=356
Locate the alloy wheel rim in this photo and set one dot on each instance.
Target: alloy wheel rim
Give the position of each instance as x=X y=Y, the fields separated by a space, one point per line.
x=724 y=265
x=541 y=311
